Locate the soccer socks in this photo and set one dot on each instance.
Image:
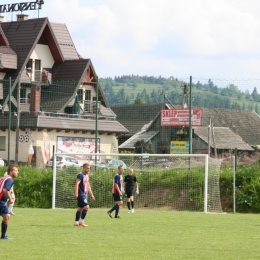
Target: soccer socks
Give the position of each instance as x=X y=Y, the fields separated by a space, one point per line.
x=83 y=214
x=114 y=208
x=4 y=229
x=132 y=204
x=117 y=210
x=128 y=205
x=78 y=214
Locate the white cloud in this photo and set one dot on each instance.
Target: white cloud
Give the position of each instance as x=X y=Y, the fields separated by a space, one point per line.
x=204 y=38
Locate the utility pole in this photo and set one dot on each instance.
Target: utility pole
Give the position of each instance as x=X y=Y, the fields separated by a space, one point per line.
x=209 y=139
x=18 y=121
x=9 y=119
x=190 y=123
x=96 y=132
x=213 y=138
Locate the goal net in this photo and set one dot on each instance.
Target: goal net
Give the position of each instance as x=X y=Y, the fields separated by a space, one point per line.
x=179 y=182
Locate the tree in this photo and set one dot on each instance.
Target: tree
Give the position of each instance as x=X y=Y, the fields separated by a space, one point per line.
x=139 y=101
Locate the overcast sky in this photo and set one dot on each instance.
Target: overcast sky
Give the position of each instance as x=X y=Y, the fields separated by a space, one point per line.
x=199 y=38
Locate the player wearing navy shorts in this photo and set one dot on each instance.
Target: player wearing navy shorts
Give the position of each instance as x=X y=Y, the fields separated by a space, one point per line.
x=117 y=192
x=82 y=188
x=131 y=186
x=6 y=184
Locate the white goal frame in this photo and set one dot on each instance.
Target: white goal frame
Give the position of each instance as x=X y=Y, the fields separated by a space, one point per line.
x=206 y=164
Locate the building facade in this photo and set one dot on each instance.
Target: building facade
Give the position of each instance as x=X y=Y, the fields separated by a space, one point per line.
x=49 y=93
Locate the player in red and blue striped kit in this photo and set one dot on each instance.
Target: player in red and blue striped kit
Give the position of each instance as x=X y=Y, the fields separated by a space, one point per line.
x=6 y=184
x=117 y=192
x=82 y=188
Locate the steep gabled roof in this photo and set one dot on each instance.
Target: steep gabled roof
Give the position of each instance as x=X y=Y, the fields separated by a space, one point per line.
x=70 y=70
x=23 y=37
x=7 y=50
x=246 y=123
x=134 y=116
x=3 y=39
x=58 y=95
x=225 y=138
x=64 y=40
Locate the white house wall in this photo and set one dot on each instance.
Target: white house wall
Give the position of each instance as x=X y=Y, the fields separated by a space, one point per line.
x=42 y=52
x=45 y=141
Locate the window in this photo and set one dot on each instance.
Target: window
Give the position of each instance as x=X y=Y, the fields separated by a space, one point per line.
x=87 y=94
x=2 y=143
x=29 y=64
x=80 y=95
x=37 y=64
x=37 y=70
x=23 y=95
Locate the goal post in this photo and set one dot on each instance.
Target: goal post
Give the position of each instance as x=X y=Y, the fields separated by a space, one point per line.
x=180 y=182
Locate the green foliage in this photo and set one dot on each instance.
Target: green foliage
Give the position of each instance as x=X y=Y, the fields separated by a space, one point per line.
x=247 y=189
x=33 y=188
x=132 y=89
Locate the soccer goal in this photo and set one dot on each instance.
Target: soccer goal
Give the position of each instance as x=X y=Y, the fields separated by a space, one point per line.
x=180 y=182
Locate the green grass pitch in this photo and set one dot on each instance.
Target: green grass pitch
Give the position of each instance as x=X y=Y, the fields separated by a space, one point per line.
x=50 y=234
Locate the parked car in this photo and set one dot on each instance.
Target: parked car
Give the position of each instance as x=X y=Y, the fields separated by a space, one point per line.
x=112 y=164
x=63 y=161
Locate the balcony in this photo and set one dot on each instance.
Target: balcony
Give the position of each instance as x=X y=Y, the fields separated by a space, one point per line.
x=39 y=76
x=90 y=106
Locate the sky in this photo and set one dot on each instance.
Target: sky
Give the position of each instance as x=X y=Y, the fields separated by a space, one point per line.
x=205 y=39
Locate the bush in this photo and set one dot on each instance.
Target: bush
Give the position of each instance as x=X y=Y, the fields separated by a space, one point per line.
x=33 y=187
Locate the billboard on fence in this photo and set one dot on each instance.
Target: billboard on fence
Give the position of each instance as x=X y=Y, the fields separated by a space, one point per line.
x=181 y=117
x=179 y=147
x=77 y=145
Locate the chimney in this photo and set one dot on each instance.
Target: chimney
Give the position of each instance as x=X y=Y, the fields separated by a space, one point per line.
x=2 y=18
x=35 y=101
x=22 y=17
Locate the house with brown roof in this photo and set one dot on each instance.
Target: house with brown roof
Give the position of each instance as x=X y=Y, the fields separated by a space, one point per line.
x=51 y=93
x=232 y=129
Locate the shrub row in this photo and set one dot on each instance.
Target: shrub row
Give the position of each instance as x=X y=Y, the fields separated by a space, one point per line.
x=33 y=187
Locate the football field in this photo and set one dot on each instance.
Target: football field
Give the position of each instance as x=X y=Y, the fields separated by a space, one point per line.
x=50 y=234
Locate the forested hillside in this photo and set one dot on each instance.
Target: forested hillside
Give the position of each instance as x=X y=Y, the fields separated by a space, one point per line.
x=148 y=89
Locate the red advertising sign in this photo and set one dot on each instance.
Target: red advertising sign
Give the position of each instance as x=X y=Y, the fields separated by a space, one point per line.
x=181 y=117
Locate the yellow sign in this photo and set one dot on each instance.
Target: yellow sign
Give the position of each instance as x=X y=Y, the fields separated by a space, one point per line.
x=179 y=147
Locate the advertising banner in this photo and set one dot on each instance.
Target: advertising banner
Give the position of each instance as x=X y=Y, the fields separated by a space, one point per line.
x=179 y=147
x=77 y=145
x=181 y=117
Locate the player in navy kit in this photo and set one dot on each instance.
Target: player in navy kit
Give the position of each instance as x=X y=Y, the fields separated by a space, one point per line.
x=6 y=184
x=117 y=192
x=82 y=188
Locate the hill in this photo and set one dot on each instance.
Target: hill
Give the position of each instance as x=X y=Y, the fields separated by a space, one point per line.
x=149 y=89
